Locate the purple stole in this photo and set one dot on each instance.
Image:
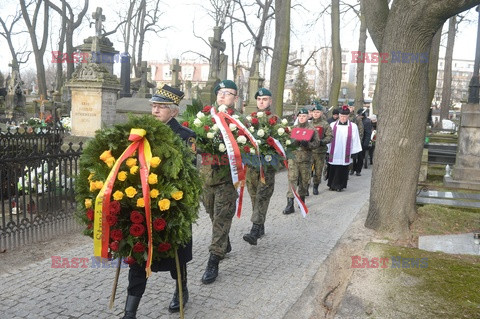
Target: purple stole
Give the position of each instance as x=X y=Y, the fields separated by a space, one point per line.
x=349 y=142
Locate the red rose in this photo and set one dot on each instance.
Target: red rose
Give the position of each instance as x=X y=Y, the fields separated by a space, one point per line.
x=246 y=149
x=129 y=260
x=185 y=124
x=213 y=120
x=273 y=120
x=138 y=248
x=114 y=245
x=137 y=230
x=255 y=121
x=254 y=114
x=268 y=112
x=89 y=226
x=206 y=128
x=241 y=133
x=287 y=130
x=112 y=220
x=90 y=214
x=230 y=111
x=159 y=224
x=164 y=247
x=270 y=141
x=136 y=217
x=114 y=207
x=116 y=234
x=207 y=109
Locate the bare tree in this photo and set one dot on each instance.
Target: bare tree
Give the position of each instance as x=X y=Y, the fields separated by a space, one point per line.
x=336 y=54
x=404 y=104
x=18 y=56
x=362 y=41
x=433 y=64
x=447 y=72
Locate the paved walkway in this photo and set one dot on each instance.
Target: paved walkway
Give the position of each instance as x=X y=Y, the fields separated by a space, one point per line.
x=262 y=281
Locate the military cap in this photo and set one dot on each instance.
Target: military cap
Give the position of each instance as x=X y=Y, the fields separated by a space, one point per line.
x=361 y=111
x=167 y=95
x=303 y=111
x=318 y=107
x=225 y=84
x=263 y=92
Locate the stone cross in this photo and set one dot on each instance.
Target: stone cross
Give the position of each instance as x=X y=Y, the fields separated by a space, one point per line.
x=144 y=69
x=42 y=105
x=218 y=45
x=33 y=88
x=176 y=69
x=99 y=18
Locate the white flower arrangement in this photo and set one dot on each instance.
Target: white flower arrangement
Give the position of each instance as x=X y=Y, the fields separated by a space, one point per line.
x=197 y=122
x=232 y=127
x=222 y=147
x=281 y=131
x=242 y=139
x=210 y=135
x=260 y=114
x=200 y=115
x=261 y=133
x=284 y=121
x=223 y=108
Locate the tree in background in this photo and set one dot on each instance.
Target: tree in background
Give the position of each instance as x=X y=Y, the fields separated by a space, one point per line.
x=447 y=71
x=19 y=56
x=336 y=54
x=302 y=93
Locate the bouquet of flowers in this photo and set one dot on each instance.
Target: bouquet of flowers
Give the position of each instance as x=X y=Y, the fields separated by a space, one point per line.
x=146 y=218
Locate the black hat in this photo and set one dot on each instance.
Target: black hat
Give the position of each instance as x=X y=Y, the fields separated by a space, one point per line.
x=336 y=111
x=345 y=110
x=361 y=111
x=167 y=95
x=263 y=92
x=225 y=84
x=303 y=111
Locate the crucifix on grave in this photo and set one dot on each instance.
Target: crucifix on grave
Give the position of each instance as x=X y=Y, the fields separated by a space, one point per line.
x=143 y=90
x=42 y=106
x=217 y=46
x=254 y=83
x=99 y=18
x=176 y=69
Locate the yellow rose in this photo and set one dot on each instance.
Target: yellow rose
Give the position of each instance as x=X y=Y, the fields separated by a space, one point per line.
x=177 y=195
x=90 y=177
x=99 y=184
x=133 y=170
x=130 y=191
x=140 y=202
x=154 y=193
x=152 y=178
x=93 y=187
x=155 y=161
x=118 y=195
x=122 y=175
x=110 y=161
x=164 y=204
x=131 y=162
x=106 y=155
x=88 y=202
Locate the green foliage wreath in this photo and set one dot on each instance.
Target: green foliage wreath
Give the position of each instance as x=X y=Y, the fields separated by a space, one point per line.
x=174 y=190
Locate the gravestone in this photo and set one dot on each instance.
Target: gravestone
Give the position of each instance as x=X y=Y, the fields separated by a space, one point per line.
x=176 y=69
x=218 y=46
x=254 y=83
x=143 y=91
x=125 y=75
x=15 y=99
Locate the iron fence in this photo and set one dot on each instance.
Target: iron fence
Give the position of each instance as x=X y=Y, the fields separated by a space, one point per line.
x=36 y=192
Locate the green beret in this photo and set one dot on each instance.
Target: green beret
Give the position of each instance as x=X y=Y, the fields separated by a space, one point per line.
x=263 y=92
x=303 y=111
x=225 y=84
x=318 y=107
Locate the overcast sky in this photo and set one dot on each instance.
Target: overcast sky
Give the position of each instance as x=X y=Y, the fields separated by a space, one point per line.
x=181 y=15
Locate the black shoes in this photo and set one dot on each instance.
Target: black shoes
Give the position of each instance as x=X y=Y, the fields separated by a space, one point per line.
x=175 y=303
x=315 y=189
x=358 y=174
x=289 y=209
x=131 y=306
x=352 y=172
x=257 y=231
x=229 y=246
x=211 y=272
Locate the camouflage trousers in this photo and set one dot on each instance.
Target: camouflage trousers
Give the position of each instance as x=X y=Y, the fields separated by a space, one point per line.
x=299 y=172
x=318 y=163
x=220 y=202
x=260 y=193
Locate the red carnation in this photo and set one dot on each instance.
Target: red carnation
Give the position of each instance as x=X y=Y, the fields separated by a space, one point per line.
x=246 y=149
x=89 y=226
x=270 y=141
x=273 y=120
x=164 y=247
x=206 y=128
x=137 y=230
x=116 y=234
x=213 y=120
x=268 y=112
x=90 y=214
x=114 y=245
x=129 y=260
x=230 y=111
x=114 y=207
x=159 y=224
x=112 y=220
x=138 y=248
x=136 y=217
x=185 y=124
x=254 y=114
x=207 y=109
x=255 y=121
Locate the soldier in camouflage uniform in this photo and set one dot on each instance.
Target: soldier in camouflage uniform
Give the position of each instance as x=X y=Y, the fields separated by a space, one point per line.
x=260 y=193
x=300 y=166
x=325 y=135
x=219 y=195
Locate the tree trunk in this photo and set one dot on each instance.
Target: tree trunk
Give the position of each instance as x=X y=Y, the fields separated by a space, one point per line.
x=433 y=65
x=61 y=42
x=141 y=37
x=361 y=66
x=336 y=55
x=408 y=27
x=447 y=72
x=280 y=53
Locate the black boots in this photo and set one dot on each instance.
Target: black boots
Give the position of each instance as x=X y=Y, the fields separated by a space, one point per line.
x=175 y=303
x=315 y=189
x=211 y=272
x=229 y=246
x=289 y=209
x=131 y=306
x=257 y=231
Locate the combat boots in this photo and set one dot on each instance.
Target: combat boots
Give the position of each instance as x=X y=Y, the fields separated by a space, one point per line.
x=315 y=189
x=131 y=306
x=255 y=233
x=289 y=209
x=175 y=303
x=211 y=272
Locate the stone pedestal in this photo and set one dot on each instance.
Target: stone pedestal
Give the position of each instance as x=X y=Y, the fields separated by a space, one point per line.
x=94 y=97
x=99 y=50
x=466 y=173
x=207 y=96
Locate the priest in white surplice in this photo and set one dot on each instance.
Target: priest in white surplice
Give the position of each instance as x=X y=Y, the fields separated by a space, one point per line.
x=345 y=143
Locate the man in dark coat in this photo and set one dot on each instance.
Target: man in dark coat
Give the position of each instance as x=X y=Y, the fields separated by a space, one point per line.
x=164 y=108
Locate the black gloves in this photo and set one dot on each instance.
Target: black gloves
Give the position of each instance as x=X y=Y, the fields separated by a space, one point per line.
x=304 y=143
